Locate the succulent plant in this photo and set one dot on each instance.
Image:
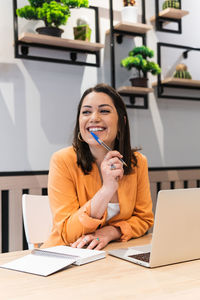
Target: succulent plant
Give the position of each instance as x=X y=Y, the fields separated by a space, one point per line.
x=171 y=4
x=182 y=72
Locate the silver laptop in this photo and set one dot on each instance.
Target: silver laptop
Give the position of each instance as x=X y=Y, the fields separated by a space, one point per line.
x=176 y=233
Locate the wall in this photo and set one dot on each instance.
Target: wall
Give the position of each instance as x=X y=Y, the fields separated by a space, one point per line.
x=38 y=100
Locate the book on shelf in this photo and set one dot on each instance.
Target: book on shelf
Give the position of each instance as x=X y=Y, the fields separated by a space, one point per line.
x=47 y=261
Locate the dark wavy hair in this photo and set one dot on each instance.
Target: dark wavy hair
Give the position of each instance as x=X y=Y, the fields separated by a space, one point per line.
x=122 y=141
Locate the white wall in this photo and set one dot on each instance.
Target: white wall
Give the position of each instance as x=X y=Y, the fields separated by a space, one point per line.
x=38 y=100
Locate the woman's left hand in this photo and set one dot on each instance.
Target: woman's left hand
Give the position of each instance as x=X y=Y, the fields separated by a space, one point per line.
x=99 y=239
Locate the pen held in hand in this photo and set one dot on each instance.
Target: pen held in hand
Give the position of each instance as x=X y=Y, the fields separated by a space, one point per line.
x=105 y=146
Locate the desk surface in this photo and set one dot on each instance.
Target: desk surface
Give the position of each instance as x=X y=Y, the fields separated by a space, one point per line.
x=109 y=278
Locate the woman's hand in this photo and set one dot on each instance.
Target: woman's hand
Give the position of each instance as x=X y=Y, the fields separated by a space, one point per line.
x=99 y=239
x=112 y=170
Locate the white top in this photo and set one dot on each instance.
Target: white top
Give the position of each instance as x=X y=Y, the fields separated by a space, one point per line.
x=112 y=210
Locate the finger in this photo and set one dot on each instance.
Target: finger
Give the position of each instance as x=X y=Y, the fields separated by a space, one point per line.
x=99 y=246
x=93 y=244
x=82 y=242
x=112 y=154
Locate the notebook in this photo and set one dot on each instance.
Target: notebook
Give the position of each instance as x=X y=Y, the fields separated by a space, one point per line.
x=47 y=261
x=175 y=234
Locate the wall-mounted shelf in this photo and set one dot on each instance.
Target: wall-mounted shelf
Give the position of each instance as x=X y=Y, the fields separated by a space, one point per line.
x=74 y=48
x=131 y=90
x=182 y=83
x=128 y=29
x=172 y=13
x=168 y=15
x=175 y=83
x=133 y=93
x=31 y=38
x=131 y=28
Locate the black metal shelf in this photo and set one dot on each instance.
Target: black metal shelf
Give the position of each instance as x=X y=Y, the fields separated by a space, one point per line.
x=72 y=47
x=174 y=82
x=169 y=15
x=119 y=31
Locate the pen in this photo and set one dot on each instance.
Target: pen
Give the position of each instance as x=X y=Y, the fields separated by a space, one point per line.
x=105 y=146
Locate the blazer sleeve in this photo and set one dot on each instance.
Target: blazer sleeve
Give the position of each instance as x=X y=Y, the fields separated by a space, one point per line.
x=69 y=219
x=142 y=218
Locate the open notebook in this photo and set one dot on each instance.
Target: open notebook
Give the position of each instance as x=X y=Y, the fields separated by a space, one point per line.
x=175 y=234
x=50 y=260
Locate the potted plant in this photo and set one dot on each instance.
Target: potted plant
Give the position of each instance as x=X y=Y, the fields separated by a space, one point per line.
x=182 y=72
x=129 y=11
x=171 y=4
x=138 y=59
x=82 y=31
x=53 y=13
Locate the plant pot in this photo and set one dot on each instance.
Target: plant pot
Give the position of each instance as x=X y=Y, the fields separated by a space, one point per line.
x=129 y=14
x=139 y=81
x=52 y=31
x=82 y=32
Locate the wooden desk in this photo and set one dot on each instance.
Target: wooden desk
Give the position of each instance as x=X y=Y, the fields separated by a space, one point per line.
x=109 y=278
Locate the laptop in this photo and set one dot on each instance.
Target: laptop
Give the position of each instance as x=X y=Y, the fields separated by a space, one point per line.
x=175 y=234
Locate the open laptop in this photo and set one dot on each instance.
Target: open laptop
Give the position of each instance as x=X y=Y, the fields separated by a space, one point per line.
x=175 y=234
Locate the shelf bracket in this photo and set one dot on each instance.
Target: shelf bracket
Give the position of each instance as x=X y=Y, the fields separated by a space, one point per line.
x=24 y=50
x=132 y=100
x=73 y=56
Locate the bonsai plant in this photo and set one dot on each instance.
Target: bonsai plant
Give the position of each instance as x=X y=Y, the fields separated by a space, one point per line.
x=171 y=4
x=53 y=13
x=129 y=11
x=182 y=72
x=138 y=59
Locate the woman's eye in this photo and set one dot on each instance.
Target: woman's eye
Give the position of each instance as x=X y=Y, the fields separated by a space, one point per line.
x=86 y=112
x=105 y=111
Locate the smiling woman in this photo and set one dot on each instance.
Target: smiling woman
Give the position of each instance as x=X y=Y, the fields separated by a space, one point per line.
x=94 y=197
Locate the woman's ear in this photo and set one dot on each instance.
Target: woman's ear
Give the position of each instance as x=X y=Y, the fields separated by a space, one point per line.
x=125 y=120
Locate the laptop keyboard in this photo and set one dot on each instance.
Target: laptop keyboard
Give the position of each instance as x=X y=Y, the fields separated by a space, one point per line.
x=142 y=256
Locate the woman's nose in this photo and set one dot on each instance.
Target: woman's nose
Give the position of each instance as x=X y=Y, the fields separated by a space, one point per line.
x=95 y=117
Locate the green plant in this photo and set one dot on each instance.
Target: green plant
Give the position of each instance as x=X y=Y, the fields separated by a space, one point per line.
x=138 y=59
x=171 y=4
x=53 y=13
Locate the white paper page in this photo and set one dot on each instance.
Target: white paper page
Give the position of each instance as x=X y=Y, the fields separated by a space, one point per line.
x=82 y=253
x=38 y=264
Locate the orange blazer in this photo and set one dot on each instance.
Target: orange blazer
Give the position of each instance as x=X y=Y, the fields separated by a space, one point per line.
x=70 y=193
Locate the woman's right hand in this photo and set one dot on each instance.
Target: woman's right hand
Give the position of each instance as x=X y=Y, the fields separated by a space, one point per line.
x=112 y=170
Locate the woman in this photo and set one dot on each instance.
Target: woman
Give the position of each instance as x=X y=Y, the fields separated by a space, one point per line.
x=94 y=198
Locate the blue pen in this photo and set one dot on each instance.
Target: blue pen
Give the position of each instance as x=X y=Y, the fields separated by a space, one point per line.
x=105 y=146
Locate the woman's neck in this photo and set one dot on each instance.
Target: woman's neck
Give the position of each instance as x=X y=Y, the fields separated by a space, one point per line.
x=98 y=153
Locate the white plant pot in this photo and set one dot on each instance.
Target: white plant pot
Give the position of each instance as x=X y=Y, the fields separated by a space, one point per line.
x=129 y=14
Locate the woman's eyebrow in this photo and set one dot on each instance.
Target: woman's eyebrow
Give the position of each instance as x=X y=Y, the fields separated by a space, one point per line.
x=101 y=105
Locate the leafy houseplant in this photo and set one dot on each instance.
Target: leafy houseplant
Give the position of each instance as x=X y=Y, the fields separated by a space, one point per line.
x=138 y=59
x=53 y=13
x=129 y=11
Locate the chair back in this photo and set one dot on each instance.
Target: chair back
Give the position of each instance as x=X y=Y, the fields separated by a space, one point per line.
x=37 y=219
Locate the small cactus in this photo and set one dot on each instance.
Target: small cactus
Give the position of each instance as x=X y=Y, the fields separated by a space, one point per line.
x=182 y=75
x=171 y=4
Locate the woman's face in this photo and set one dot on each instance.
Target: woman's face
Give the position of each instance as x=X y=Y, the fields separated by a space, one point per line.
x=98 y=114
